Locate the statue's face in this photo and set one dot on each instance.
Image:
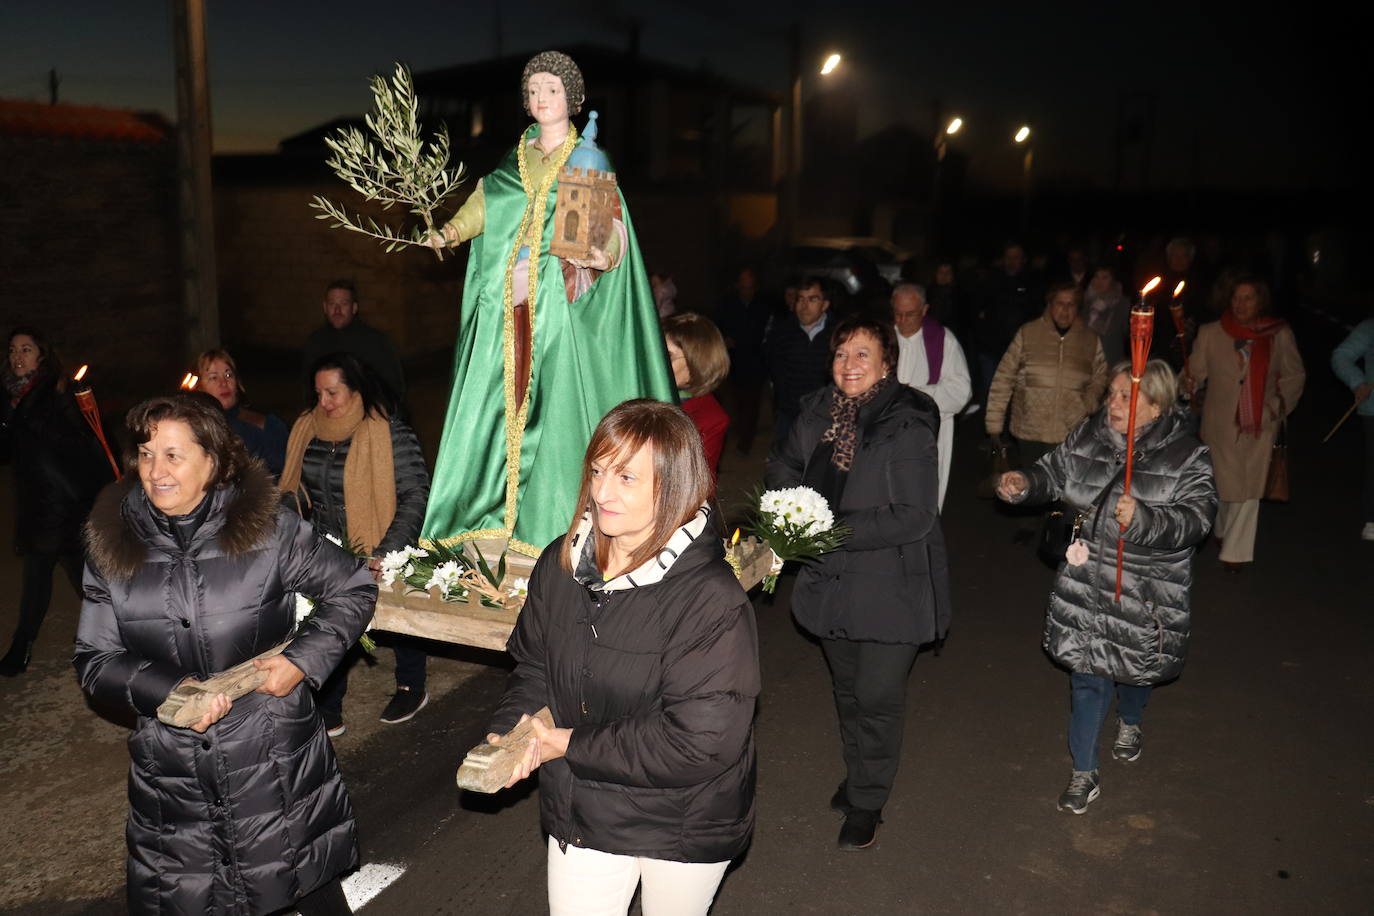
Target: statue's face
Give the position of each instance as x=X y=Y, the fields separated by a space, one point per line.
x=547 y=99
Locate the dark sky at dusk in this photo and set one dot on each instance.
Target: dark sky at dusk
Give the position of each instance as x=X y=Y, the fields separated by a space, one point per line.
x=1264 y=102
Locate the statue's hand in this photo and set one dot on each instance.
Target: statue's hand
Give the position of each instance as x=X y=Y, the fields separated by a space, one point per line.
x=596 y=259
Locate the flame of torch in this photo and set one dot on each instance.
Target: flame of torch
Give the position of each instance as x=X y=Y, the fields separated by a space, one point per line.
x=186 y=381
x=1142 y=333
x=85 y=399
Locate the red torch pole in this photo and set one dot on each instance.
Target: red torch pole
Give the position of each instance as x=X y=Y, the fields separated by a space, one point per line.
x=85 y=399
x=1142 y=332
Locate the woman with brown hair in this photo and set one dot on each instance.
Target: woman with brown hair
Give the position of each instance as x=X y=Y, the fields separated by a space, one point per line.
x=637 y=636
x=867 y=443
x=57 y=469
x=697 y=356
x=263 y=434
x=1249 y=363
x=193 y=569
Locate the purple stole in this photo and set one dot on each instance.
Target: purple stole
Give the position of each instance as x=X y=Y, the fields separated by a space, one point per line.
x=933 y=334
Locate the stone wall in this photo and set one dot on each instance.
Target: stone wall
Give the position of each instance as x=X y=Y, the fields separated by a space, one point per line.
x=88 y=254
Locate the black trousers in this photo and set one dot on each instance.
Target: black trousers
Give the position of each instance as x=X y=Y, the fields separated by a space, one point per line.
x=869 y=679
x=36 y=593
x=410 y=672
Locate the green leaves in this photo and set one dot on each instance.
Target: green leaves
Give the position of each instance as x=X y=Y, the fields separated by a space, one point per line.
x=398 y=168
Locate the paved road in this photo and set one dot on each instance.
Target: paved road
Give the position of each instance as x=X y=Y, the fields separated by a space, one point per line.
x=1254 y=793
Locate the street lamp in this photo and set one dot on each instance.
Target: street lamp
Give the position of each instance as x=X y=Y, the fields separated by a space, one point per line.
x=832 y=62
x=1022 y=137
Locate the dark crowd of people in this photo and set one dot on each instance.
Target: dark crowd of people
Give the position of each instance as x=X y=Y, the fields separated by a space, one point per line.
x=635 y=633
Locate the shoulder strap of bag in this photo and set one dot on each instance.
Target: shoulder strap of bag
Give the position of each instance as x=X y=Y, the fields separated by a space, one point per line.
x=1093 y=509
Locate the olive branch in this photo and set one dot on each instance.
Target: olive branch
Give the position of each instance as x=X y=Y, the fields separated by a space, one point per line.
x=399 y=168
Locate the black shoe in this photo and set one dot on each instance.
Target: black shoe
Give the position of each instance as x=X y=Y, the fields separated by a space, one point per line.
x=404 y=705
x=333 y=723
x=840 y=800
x=860 y=828
x=16 y=660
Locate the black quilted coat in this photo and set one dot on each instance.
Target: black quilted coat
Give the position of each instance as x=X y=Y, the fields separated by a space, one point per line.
x=253 y=814
x=658 y=681
x=889 y=581
x=58 y=468
x=1143 y=639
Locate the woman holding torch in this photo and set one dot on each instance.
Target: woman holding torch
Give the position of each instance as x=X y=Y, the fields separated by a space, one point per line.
x=58 y=469
x=1123 y=646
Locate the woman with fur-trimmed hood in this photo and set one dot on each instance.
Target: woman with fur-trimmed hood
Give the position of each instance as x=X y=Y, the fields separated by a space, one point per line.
x=193 y=567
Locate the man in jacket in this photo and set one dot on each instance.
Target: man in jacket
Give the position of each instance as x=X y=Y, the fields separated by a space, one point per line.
x=931 y=361
x=344 y=332
x=797 y=351
x=1052 y=376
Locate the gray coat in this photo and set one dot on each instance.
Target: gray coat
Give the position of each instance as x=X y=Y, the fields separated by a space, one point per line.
x=253 y=814
x=889 y=581
x=1144 y=638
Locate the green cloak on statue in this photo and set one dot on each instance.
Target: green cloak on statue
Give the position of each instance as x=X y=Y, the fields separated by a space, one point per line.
x=511 y=473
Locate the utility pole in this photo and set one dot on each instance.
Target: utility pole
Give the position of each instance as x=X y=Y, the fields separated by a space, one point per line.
x=200 y=302
x=794 y=149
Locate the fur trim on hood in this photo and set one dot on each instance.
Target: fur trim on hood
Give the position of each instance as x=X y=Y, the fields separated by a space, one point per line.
x=116 y=549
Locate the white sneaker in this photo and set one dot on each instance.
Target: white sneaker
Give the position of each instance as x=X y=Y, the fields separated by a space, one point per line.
x=1368 y=532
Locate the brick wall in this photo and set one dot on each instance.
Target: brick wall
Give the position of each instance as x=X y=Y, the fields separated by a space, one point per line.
x=275 y=259
x=88 y=253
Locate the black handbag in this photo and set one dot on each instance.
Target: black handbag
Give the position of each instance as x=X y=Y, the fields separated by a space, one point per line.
x=1061 y=526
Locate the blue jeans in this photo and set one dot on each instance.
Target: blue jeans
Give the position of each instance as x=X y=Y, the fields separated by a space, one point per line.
x=1090 y=698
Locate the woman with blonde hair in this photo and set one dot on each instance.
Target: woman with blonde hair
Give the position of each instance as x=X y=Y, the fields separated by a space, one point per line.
x=263 y=434
x=1121 y=647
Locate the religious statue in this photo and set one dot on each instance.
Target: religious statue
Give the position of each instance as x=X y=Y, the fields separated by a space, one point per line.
x=547 y=344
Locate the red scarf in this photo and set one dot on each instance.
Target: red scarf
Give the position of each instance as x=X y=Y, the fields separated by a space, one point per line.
x=1250 y=407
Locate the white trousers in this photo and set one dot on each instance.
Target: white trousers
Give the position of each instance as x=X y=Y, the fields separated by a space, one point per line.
x=585 y=882
x=1236 y=526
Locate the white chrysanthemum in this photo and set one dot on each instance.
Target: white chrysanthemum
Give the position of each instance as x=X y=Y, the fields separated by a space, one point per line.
x=801 y=507
x=398 y=564
x=304 y=608
x=519 y=587
x=333 y=540
x=445 y=577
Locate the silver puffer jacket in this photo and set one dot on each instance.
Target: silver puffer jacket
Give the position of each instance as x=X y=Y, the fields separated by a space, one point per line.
x=1144 y=638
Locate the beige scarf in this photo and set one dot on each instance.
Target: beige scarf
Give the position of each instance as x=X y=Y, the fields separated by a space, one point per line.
x=369 y=476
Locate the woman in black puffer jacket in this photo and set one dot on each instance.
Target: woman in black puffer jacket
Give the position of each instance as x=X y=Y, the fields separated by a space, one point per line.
x=193 y=567
x=637 y=636
x=867 y=444
x=1124 y=647
x=58 y=469
x=356 y=471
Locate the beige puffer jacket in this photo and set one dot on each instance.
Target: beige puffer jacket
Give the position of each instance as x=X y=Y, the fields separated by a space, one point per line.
x=1052 y=382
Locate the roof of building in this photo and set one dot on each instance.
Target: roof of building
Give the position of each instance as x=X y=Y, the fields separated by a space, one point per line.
x=84 y=122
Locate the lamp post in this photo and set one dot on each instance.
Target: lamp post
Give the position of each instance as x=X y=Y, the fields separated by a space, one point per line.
x=941 y=148
x=1022 y=139
x=832 y=61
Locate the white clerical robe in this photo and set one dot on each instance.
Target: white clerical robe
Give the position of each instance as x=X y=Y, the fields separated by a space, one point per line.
x=951 y=392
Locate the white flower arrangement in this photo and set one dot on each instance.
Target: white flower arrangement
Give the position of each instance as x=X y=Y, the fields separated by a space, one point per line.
x=446 y=578
x=400 y=564
x=797 y=524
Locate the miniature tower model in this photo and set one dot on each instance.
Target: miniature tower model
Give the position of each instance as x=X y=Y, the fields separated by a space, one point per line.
x=587 y=200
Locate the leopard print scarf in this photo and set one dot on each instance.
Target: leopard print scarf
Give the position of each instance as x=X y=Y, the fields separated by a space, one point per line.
x=844 y=421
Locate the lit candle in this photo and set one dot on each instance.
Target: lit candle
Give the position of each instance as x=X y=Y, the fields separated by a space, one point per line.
x=734 y=539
